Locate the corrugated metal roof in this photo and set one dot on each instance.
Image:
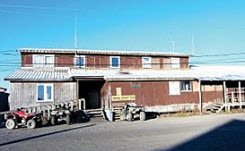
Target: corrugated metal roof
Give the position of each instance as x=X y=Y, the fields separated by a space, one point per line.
x=103 y=52
x=40 y=74
x=66 y=74
x=221 y=73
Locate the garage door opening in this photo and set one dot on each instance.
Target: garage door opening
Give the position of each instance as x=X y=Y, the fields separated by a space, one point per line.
x=90 y=91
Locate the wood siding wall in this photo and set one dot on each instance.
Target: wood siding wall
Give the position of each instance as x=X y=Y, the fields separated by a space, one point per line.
x=157 y=93
x=103 y=62
x=64 y=60
x=25 y=94
x=26 y=60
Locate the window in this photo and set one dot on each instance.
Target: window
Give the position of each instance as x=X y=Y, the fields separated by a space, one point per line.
x=186 y=86
x=44 y=92
x=43 y=60
x=80 y=61
x=115 y=62
x=174 y=88
x=175 y=63
x=37 y=60
x=146 y=62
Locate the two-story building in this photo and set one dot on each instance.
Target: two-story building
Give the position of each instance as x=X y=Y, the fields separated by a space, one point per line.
x=105 y=78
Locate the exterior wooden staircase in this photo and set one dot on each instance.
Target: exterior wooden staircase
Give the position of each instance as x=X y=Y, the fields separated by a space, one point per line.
x=117 y=111
x=95 y=113
x=215 y=107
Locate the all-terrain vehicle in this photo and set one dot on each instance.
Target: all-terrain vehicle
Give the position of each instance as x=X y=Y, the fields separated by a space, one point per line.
x=130 y=111
x=21 y=118
x=61 y=114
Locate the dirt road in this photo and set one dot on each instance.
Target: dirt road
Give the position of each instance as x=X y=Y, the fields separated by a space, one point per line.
x=209 y=132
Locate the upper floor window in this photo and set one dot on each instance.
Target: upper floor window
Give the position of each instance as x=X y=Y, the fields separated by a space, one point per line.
x=186 y=86
x=45 y=92
x=146 y=62
x=80 y=61
x=174 y=88
x=175 y=63
x=43 y=60
x=114 y=62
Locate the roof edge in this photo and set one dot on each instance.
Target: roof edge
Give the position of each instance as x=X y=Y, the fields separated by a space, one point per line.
x=103 y=52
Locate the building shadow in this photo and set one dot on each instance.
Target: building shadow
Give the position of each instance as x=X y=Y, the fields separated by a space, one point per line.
x=228 y=137
x=45 y=134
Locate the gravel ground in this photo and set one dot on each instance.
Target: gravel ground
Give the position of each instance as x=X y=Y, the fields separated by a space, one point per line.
x=208 y=132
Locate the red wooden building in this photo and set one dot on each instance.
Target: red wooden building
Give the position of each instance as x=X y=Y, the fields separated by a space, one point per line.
x=105 y=78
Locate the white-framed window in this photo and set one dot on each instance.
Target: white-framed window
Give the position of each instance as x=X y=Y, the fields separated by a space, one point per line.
x=175 y=63
x=186 y=86
x=43 y=60
x=146 y=62
x=115 y=62
x=174 y=88
x=44 y=92
x=80 y=61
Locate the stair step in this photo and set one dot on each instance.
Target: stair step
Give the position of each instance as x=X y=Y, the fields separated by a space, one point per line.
x=219 y=104
x=97 y=112
x=216 y=108
x=92 y=110
x=97 y=115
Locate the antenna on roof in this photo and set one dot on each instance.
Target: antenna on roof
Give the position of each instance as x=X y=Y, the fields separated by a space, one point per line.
x=173 y=43
x=75 y=34
x=193 y=45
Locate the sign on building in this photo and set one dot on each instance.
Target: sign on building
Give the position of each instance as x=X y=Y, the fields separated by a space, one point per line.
x=123 y=98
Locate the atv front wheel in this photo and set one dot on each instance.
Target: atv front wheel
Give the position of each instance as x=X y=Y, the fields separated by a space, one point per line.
x=142 y=116
x=53 y=120
x=10 y=124
x=130 y=117
x=68 y=119
x=31 y=124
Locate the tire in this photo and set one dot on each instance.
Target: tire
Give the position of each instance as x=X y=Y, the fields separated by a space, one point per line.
x=10 y=124
x=142 y=116
x=121 y=118
x=31 y=124
x=53 y=120
x=130 y=117
x=68 y=119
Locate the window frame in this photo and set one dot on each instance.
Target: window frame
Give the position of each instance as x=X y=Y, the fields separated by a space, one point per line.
x=45 y=92
x=84 y=61
x=182 y=82
x=43 y=58
x=118 y=57
x=175 y=66
x=44 y=61
x=146 y=66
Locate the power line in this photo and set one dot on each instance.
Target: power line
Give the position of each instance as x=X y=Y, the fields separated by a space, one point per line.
x=224 y=59
x=218 y=55
x=26 y=13
x=38 y=7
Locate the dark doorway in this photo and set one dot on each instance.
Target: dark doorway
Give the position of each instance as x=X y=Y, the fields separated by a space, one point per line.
x=90 y=91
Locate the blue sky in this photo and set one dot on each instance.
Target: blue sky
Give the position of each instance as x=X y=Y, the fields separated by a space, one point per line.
x=218 y=26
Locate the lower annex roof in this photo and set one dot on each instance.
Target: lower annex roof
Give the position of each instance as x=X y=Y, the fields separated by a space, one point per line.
x=40 y=74
x=67 y=74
